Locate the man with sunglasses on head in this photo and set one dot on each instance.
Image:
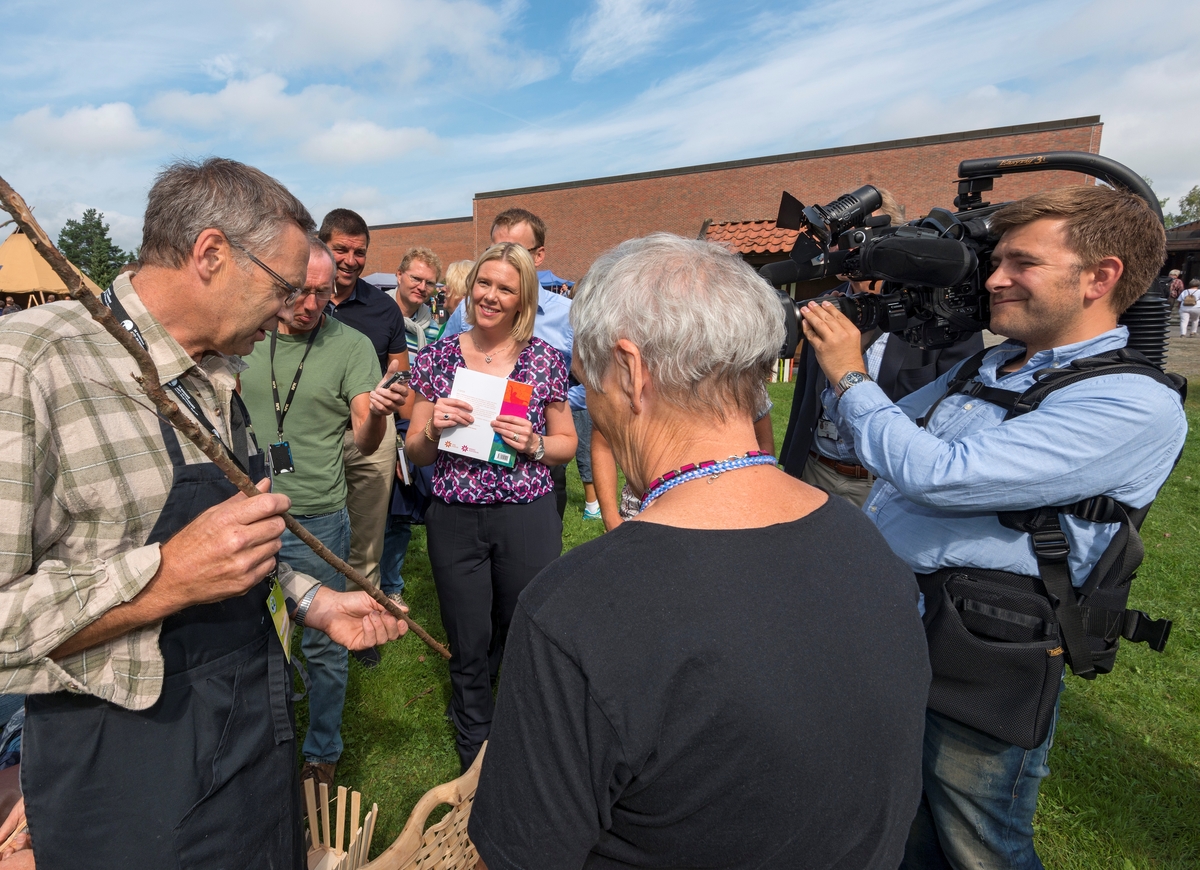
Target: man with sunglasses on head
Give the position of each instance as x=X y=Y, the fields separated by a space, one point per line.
x=143 y=611
x=311 y=379
x=363 y=306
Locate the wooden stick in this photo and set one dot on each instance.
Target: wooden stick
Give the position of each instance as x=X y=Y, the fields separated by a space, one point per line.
x=310 y=799
x=355 y=809
x=148 y=380
x=325 y=814
x=341 y=817
x=22 y=827
x=370 y=832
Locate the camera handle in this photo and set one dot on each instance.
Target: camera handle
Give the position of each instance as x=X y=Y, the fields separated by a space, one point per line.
x=1108 y=171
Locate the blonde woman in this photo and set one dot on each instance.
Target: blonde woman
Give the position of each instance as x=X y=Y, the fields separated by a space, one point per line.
x=490 y=528
x=456 y=285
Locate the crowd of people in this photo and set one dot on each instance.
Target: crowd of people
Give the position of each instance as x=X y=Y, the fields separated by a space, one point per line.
x=848 y=656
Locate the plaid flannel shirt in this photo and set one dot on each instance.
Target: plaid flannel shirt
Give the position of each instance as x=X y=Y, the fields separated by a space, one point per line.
x=84 y=475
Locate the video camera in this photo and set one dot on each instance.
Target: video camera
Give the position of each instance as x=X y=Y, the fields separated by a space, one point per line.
x=933 y=269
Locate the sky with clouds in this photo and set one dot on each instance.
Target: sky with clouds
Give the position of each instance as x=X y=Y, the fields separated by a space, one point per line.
x=403 y=109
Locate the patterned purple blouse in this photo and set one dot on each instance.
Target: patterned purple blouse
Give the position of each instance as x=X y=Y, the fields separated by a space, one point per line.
x=463 y=480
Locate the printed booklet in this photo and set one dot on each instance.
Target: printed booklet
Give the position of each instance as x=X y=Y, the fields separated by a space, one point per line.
x=489 y=397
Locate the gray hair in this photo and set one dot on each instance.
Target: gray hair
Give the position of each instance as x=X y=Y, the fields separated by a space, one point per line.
x=315 y=246
x=708 y=327
x=191 y=196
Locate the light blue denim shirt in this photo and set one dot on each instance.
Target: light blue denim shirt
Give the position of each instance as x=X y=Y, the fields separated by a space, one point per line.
x=552 y=325
x=939 y=487
x=836 y=448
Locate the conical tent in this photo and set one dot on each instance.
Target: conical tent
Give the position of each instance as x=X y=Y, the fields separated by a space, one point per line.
x=24 y=271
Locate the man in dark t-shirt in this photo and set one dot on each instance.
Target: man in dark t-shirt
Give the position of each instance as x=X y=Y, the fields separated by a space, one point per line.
x=710 y=698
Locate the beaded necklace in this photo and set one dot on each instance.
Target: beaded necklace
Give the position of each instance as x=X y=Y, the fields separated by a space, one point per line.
x=709 y=468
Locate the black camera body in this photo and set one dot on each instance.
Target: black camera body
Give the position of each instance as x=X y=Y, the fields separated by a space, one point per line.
x=933 y=270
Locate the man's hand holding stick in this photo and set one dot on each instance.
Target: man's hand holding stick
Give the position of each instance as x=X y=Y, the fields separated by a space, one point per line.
x=149 y=382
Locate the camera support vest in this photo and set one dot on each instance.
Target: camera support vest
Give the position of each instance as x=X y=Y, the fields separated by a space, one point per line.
x=1092 y=618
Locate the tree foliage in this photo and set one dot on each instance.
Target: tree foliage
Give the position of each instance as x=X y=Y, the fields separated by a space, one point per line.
x=85 y=242
x=1189 y=208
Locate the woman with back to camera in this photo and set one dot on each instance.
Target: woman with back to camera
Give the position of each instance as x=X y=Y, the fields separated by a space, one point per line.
x=735 y=678
x=490 y=529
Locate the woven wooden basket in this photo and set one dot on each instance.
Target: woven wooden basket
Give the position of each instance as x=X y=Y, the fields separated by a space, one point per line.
x=445 y=846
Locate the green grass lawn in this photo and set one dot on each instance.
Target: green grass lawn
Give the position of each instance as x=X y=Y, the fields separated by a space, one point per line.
x=1124 y=788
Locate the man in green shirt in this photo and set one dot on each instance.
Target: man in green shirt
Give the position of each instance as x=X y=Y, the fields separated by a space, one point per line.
x=310 y=381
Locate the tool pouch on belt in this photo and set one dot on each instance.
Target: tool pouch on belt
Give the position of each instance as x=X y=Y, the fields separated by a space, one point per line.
x=995 y=650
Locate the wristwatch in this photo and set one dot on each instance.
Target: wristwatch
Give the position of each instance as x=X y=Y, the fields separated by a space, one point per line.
x=537 y=455
x=301 y=612
x=850 y=379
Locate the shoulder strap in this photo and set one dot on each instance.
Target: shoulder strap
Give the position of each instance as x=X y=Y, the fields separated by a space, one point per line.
x=1123 y=554
x=1114 y=362
x=965 y=375
x=1051 y=548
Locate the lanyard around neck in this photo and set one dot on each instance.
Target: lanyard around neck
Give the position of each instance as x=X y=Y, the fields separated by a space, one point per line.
x=281 y=410
x=109 y=298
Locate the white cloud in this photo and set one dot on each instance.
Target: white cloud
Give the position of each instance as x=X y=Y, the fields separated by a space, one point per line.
x=792 y=88
x=619 y=31
x=365 y=142
x=260 y=106
x=409 y=39
x=1151 y=124
x=90 y=131
x=222 y=67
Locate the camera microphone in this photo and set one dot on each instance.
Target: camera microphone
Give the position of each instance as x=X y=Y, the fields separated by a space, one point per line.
x=937 y=262
x=781 y=273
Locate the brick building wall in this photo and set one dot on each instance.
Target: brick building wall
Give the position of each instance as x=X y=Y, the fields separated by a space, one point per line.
x=585 y=218
x=452 y=239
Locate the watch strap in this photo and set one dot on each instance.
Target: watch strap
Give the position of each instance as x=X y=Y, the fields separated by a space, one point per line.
x=301 y=611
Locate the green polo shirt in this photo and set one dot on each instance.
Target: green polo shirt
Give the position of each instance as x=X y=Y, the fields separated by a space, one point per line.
x=341 y=365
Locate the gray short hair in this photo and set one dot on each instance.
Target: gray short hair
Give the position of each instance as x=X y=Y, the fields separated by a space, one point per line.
x=708 y=327
x=189 y=196
x=316 y=246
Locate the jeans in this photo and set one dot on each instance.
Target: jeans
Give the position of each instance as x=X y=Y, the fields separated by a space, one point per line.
x=395 y=544
x=326 y=660
x=980 y=794
x=583 y=451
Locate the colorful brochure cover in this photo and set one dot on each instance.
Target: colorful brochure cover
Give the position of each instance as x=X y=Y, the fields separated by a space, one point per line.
x=489 y=397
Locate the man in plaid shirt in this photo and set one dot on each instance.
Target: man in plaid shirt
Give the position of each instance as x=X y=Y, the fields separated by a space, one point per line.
x=137 y=597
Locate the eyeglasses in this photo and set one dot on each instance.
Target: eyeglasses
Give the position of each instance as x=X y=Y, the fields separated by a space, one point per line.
x=290 y=290
x=420 y=282
x=321 y=295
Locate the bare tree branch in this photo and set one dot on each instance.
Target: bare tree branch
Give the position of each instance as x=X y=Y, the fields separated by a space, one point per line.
x=12 y=202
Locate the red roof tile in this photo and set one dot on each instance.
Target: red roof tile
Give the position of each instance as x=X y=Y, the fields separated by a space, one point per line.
x=752 y=237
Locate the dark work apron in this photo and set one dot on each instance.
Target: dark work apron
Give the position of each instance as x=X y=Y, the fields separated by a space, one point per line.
x=205 y=778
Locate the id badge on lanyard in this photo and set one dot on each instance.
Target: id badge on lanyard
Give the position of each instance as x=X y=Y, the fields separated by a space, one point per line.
x=277 y=607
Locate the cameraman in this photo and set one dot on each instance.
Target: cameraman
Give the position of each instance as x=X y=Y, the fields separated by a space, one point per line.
x=1068 y=263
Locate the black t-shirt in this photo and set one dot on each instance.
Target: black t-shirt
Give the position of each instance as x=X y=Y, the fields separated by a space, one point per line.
x=696 y=698
x=377 y=316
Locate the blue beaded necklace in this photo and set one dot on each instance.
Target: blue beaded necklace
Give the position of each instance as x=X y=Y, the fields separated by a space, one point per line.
x=708 y=468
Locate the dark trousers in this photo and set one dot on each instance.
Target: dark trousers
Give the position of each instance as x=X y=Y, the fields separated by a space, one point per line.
x=558 y=473
x=482 y=557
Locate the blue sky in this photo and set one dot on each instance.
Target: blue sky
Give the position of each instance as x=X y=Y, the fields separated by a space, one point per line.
x=403 y=109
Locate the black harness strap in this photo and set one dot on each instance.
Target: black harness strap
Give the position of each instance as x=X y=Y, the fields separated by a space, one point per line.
x=1051 y=548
